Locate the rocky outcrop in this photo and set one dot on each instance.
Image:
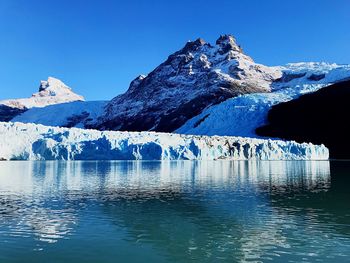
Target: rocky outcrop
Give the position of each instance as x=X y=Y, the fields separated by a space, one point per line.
x=319 y=117
x=8 y=113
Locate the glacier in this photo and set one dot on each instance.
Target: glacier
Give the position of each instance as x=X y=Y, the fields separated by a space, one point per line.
x=240 y=116
x=78 y=114
x=20 y=141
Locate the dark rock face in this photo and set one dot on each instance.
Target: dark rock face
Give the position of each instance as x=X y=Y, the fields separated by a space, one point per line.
x=288 y=77
x=316 y=77
x=8 y=113
x=191 y=79
x=77 y=118
x=319 y=117
x=227 y=43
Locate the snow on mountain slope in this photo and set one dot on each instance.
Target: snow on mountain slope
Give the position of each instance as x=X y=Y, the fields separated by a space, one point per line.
x=51 y=91
x=197 y=76
x=20 y=141
x=240 y=116
x=72 y=114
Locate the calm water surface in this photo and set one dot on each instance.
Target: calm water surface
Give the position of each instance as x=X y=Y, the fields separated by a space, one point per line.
x=175 y=211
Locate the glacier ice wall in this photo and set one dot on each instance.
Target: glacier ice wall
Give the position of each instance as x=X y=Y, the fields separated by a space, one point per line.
x=19 y=141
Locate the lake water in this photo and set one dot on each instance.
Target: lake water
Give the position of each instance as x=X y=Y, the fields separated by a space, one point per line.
x=181 y=211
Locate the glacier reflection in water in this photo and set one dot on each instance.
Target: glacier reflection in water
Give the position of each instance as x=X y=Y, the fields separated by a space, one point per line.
x=232 y=211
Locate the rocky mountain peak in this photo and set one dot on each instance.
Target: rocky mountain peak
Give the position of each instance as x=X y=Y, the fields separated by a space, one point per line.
x=196 y=76
x=227 y=43
x=136 y=82
x=52 y=83
x=53 y=87
x=51 y=91
x=192 y=46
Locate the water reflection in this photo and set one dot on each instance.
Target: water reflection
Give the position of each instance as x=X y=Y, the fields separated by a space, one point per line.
x=229 y=210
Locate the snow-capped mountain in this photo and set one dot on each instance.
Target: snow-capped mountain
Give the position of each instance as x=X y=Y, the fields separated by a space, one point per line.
x=190 y=80
x=54 y=104
x=51 y=91
x=213 y=90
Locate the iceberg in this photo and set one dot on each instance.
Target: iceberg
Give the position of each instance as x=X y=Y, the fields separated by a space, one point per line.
x=20 y=141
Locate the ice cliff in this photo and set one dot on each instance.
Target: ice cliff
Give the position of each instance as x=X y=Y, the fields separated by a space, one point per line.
x=19 y=141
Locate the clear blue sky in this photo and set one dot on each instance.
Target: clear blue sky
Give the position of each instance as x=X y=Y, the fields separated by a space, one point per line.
x=98 y=46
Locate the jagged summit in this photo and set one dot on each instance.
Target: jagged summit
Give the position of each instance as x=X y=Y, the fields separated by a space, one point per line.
x=52 y=83
x=51 y=91
x=136 y=82
x=199 y=41
x=53 y=87
x=194 y=45
x=224 y=44
x=227 y=43
x=191 y=79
